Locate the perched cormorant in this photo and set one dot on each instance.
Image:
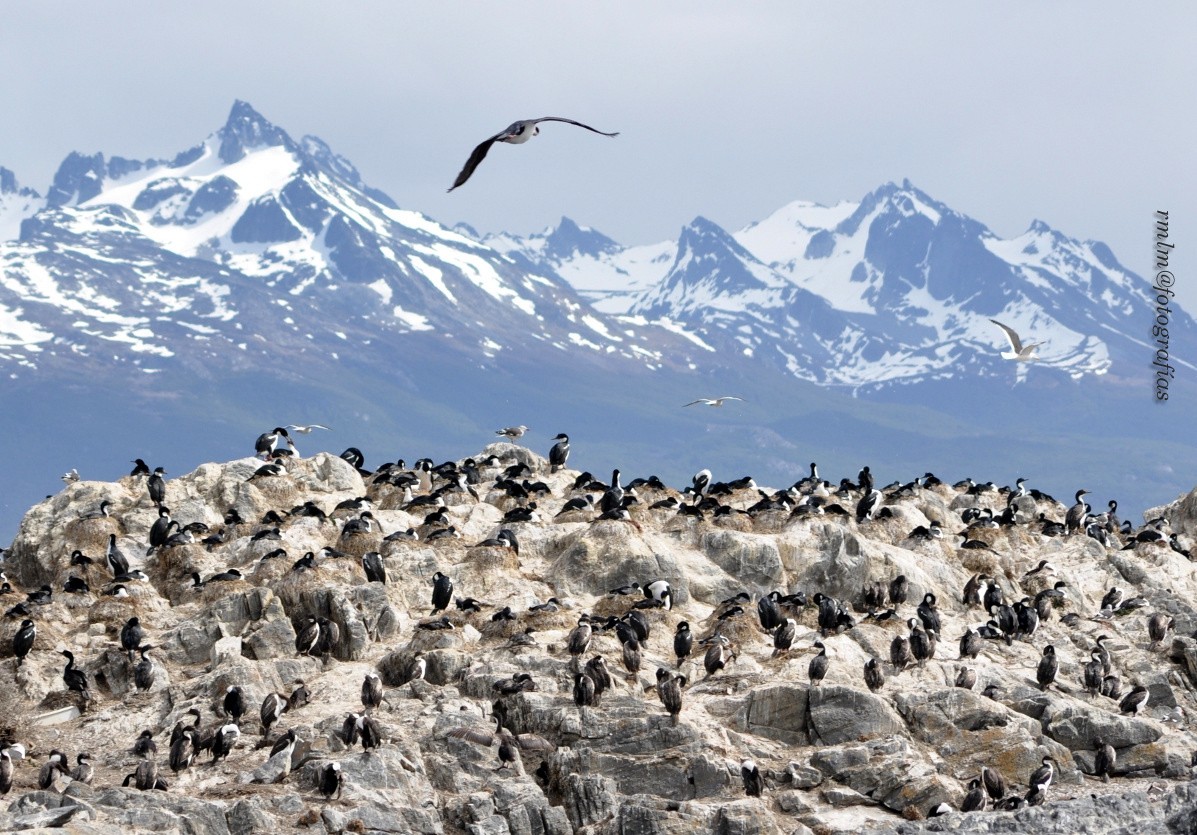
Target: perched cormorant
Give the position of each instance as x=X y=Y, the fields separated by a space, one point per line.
x=234 y=702
x=1048 y=667
x=583 y=690
x=669 y=689
x=874 y=676
x=442 y=592
x=974 y=801
x=1074 y=520
x=754 y=784
x=559 y=454
x=1134 y=701
x=1103 y=760
x=155 y=485
x=372 y=565
x=683 y=642
x=818 y=665
x=308 y=637
x=143 y=672
x=117 y=561
x=75 y=679
x=53 y=766
x=22 y=641
x=331 y=780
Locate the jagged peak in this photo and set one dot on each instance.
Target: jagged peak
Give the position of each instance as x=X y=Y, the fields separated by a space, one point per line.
x=247 y=128
x=705 y=234
x=567 y=238
x=9 y=184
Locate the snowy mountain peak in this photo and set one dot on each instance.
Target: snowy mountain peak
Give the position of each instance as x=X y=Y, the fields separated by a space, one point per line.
x=16 y=204
x=246 y=129
x=568 y=240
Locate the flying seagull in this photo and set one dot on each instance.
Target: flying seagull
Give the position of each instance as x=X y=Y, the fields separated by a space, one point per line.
x=1020 y=352
x=516 y=134
x=717 y=401
x=71 y=476
x=304 y=430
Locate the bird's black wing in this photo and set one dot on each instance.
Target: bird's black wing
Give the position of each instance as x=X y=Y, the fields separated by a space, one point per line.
x=474 y=161
x=571 y=122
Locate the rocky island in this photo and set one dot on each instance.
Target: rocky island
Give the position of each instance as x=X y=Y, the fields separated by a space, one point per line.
x=500 y=645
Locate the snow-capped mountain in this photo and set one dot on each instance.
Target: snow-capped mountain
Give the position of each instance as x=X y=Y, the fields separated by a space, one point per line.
x=251 y=226
x=898 y=288
x=16 y=204
x=179 y=307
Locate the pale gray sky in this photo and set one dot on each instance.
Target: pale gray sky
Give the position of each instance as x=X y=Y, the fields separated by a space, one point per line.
x=1078 y=113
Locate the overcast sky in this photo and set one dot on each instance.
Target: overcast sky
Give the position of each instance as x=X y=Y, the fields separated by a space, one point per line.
x=1078 y=113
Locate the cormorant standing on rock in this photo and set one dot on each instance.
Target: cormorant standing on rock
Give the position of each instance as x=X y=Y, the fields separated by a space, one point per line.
x=156 y=486
x=754 y=784
x=75 y=680
x=331 y=780
x=1103 y=761
x=559 y=454
x=1048 y=666
x=874 y=675
x=442 y=592
x=818 y=665
x=22 y=641
x=683 y=642
x=669 y=689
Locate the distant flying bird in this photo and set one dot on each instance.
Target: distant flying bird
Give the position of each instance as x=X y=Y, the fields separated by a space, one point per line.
x=717 y=401
x=516 y=134
x=304 y=430
x=1020 y=352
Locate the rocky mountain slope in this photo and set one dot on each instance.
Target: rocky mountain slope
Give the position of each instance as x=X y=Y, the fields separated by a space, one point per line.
x=835 y=756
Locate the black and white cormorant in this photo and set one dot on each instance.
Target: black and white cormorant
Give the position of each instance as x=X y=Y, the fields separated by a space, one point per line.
x=1049 y=665
x=234 y=702
x=55 y=765
x=559 y=454
x=331 y=780
x=75 y=679
x=155 y=485
x=308 y=638
x=117 y=562
x=974 y=801
x=22 y=641
x=754 y=784
x=83 y=771
x=660 y=590
x=143 y=671
x=1135 y=701
x=375 y=570
x=818 y=665
x=1074 y=520
x=683 y=642
x=442 y=592
x=669 y=689
x=928 y=614
x=268 y=442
